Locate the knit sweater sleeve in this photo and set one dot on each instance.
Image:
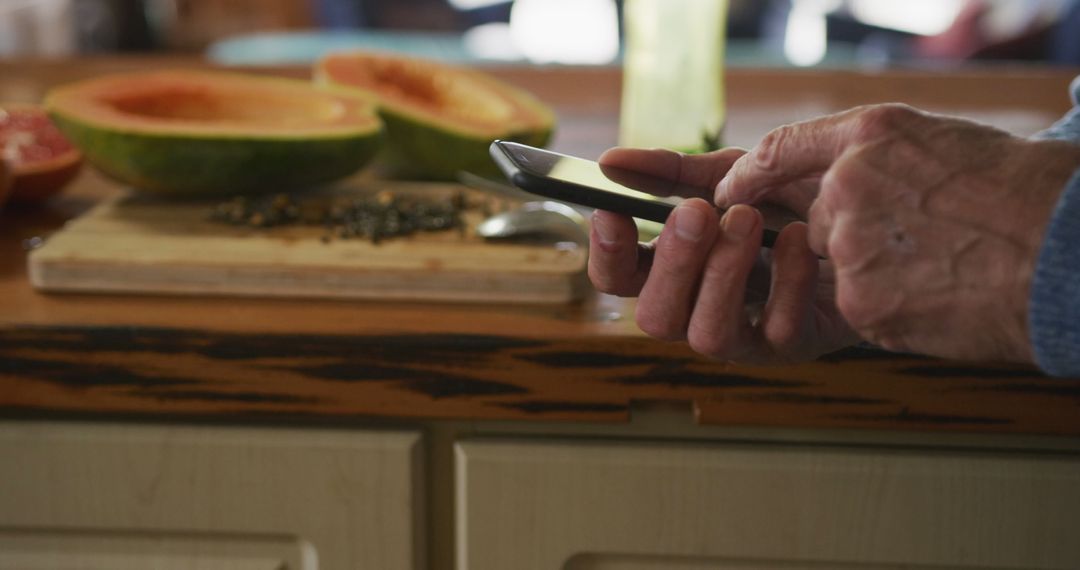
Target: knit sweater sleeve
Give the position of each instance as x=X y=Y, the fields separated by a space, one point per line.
x=1068 y=128
x=1054 y=309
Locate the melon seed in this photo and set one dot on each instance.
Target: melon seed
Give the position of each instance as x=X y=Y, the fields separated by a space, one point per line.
x=384 y=215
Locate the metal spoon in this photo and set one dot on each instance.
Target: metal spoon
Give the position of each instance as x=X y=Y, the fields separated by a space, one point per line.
x=534 y=220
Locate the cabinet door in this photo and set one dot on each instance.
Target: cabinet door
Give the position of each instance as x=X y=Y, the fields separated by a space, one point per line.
x=621 y=506
x=78 y=496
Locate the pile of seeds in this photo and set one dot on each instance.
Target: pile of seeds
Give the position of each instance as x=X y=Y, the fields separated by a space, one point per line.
x=259 y=212
x=384 y=215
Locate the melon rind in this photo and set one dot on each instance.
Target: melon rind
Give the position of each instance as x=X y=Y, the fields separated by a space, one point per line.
x=178 y=166
x=198 y=164
x=423 y=150
x=419 y=147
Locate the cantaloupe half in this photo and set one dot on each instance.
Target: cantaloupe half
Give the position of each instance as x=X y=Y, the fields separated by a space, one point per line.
x=440 y=119
x=208 y=133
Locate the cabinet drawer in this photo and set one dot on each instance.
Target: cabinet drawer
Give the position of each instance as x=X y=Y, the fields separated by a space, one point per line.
x=89 y=496
x=535 y=504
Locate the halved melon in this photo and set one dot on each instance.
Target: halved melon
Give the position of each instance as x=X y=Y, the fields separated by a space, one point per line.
x=202 y=133
x=439 y=118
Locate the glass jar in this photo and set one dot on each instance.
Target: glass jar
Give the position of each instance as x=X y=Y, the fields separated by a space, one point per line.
x=673 y=74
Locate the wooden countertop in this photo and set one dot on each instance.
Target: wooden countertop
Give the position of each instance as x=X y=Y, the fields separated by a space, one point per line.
x=112 y=355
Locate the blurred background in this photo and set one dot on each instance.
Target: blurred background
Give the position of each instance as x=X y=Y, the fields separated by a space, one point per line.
x=833 y=33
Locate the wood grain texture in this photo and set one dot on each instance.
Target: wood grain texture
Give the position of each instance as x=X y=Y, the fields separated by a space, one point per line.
x=183 y=372
x=132 y=244
x=604 y=505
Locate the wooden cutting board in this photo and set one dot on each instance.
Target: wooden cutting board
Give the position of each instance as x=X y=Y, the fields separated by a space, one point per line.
x=137 y=245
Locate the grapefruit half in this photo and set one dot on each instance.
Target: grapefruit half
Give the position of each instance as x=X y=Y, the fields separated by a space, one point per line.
x=41 y=159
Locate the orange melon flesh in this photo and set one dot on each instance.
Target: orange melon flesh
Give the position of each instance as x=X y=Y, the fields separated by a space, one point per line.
x=451 y=96
x=204 y=133
x=440 y=118
x=214 y=103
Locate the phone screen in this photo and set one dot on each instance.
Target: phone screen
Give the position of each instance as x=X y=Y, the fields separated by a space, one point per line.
x=587 y=173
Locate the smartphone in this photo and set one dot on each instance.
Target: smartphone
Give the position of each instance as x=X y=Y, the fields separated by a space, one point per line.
x=586 y=183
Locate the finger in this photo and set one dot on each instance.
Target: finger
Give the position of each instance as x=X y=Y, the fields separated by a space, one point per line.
x=699 y=171
x=801 y=150
x=666 y=298
x=850 y=186
x=786 y=155
x=719 y=325
x=617 y=263
x=819 y=226
x=795 y=277
x=797 y=196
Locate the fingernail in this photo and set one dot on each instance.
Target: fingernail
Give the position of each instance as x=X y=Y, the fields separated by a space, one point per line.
x=689 y=222
x=604 y=232
x=721 y=195
x=738 y=222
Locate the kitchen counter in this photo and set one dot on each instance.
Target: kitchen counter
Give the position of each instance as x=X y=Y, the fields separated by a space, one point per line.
x=109 y=356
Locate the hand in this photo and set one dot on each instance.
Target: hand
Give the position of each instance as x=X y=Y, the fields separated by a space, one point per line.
x=933 y=224
x=706 y=280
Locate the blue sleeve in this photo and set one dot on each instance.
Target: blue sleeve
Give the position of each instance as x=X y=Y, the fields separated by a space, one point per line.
x=1054 y=310
x=1068 y=128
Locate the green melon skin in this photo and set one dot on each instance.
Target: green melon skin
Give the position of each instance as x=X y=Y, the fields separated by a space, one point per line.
x=426 y=151
x=177 y=166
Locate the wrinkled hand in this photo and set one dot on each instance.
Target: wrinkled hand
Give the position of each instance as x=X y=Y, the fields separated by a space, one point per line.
x=933 y=224
x=705 y=279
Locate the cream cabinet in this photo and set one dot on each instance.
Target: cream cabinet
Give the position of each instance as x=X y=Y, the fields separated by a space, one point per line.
x=533 y=504
x=79 y=496
x=88 y=496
